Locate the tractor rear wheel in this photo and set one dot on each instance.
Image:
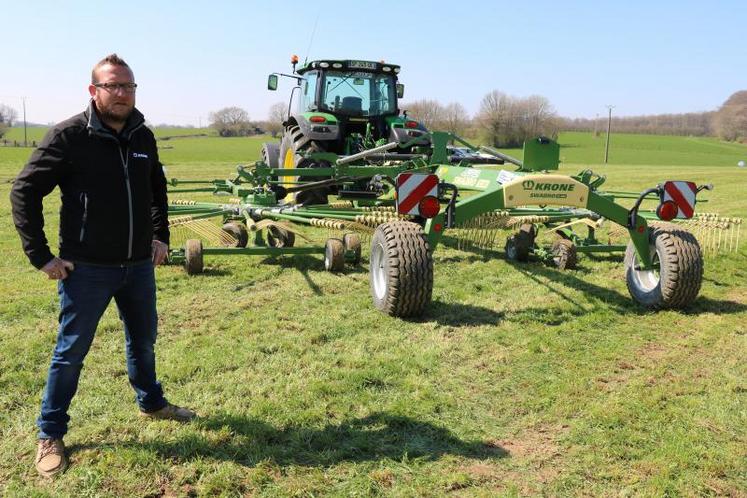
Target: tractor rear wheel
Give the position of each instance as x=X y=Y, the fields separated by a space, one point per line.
x=334 y=255
x=352 y=242
x=193 y=256
x=564 y=254
x=675 y=280
x=238 y=231
x=292 y=146
x=401 y=271
x=271 y=154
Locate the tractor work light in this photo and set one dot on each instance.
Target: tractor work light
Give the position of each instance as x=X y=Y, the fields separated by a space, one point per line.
x=324 y=64
x=667 y=211
x=429 y=206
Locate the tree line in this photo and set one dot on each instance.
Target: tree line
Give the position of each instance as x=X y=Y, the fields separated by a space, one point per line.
x=503 y=120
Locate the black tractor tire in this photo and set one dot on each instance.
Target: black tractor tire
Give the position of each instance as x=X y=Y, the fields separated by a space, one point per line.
x=334 y=255
x=292 y=145
x=401 y=269
x=676 y=284
x=280 y=237
x=352 y=242
x=564 y=255
x=193 y=257
x=238 y=231
x=519 y=245
x=271 y=154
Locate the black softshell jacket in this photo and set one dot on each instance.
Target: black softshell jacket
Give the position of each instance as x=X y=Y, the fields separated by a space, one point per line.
x=113 y=192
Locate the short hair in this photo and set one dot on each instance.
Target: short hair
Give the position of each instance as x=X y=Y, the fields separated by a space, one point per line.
x=112 y=59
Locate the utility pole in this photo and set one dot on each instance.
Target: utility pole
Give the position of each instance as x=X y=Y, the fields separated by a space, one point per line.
x=609 y=127
x=25 y=139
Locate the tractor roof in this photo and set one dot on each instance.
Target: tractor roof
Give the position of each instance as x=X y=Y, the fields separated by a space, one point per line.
x=350 y=65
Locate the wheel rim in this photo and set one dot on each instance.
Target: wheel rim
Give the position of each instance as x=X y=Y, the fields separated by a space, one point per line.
x=378 y=273
x=647 y=280
x=327 y=258
x=288 y=159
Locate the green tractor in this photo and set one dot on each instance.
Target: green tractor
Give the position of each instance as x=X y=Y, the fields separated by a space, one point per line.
x=344 y=107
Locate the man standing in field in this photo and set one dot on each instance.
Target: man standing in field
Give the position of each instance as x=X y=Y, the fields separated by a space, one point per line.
x=113 y=231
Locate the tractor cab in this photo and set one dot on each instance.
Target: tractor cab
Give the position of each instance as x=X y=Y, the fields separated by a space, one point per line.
x=346 y=106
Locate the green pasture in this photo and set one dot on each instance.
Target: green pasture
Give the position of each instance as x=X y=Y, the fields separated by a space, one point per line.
x=520 y=380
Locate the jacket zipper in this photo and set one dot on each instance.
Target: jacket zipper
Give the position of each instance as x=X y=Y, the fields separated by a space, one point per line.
x=84 y=197
x=125 y=160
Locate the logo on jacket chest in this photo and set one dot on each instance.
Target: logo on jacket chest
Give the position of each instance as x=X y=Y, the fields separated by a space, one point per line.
x=139 y=155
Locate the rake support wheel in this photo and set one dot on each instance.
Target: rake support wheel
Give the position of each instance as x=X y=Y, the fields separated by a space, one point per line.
x=334 y=255
x=564 y=254
x=238 y=231
x=352 y=242
x=193 y=256
x=401 y=272
x=280 y=237
x=678 y=274
x=519 y=245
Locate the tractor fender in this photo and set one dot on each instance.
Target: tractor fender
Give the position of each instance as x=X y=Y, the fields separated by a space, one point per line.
x=318 y=131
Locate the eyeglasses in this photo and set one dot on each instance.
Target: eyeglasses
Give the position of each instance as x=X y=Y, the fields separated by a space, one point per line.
x=113 y=87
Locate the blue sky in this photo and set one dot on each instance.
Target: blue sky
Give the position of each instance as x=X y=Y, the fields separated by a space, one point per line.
x=191 y=58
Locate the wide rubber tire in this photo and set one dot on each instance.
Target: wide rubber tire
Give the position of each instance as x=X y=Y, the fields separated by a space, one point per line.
x=238 y=231
x=193 y=256
x=564 y=255
x=292 y=145
x=352 y=242
x=401 y=271
x=677 y=282
x=271 y=154
x=334 y=255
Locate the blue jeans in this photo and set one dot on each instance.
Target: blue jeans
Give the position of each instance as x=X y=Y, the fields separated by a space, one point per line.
x=84 y=296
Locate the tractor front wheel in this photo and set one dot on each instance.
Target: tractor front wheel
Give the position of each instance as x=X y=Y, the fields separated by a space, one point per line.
x=677 y=273
x=401 y=271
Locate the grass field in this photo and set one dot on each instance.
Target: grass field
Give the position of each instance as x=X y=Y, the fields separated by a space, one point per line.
x=520 y=380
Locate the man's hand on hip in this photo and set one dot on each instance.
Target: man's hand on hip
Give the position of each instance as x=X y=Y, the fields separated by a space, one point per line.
x=58 y=268
x=159 y=252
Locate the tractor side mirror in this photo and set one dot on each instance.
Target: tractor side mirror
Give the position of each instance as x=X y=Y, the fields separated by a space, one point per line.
x=272 y=82
x=400 y=90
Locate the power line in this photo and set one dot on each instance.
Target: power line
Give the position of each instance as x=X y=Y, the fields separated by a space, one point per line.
x=609 y=128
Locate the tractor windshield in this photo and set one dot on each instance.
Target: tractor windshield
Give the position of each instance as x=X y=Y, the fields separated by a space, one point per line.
x=358 y=93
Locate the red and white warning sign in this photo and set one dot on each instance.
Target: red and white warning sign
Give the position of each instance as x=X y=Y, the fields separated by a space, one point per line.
x=412 y=188
x=682 y=194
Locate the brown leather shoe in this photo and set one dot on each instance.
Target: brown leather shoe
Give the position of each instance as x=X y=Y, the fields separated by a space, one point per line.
x=50 y=457
x=171 y=412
